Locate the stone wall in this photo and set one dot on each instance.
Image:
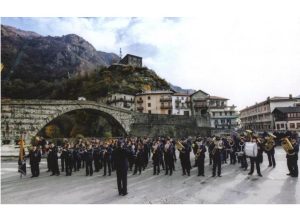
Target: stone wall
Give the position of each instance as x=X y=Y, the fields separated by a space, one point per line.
x=167 y=125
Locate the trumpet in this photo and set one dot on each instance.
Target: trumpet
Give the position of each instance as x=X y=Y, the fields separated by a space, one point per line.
x=287 y=146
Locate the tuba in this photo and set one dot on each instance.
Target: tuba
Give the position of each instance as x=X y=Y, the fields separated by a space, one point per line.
x=179 y=146
x=287 y=146
x=270 y=143
x=218 y=145
x=198 y=153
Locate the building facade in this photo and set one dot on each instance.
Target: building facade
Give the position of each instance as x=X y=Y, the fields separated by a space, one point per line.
x=259 y=116
x=181 y=104
x=132 y=60
x=121 y=100
x=154 y=102
x=287 y=118
x=221 y=116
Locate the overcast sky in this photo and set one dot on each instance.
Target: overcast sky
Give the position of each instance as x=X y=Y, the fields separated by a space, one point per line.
x=240 y=55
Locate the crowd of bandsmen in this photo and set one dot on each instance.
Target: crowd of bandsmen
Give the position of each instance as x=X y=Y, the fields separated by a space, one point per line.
x=96 y=154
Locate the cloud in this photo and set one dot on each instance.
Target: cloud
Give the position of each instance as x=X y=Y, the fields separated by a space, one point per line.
x=240 y=55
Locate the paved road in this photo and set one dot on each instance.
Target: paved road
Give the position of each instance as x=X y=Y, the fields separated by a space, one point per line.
x=235 y=187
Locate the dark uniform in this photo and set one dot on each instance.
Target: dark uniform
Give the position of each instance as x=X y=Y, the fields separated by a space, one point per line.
x=96 y=157
x=77 y=159
x=184 y=156
x=121 y=158
x=139 y=156
x=292 y=160
x=232 y=152
x=242 y=158
x=271 y=158
x=107 y=157
x=169 y=159
x=217 y=159
x=200 y=159
x=156 y=159
x=54 y=161
x=35 y=159
x=63 y=159
x=69 y=158
x=130 y=156
x=88 y=156
x=256 y=160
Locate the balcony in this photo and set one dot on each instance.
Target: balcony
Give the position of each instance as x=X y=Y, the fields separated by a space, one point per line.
x=200 y=105
x=140 y=108
x=139 y=101
x=165 y=99
x=166 y=107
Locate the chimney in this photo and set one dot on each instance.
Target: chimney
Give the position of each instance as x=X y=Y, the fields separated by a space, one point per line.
x=290 y=96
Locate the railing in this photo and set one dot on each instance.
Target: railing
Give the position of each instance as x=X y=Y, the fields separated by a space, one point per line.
x=166 y=99
x=139 y=101
x=200 y=105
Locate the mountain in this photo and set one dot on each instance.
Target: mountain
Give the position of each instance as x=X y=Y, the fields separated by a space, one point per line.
x=180 y=90
x=29 y=56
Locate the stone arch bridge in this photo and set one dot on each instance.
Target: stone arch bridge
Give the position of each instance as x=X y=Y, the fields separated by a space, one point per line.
x=31 y=116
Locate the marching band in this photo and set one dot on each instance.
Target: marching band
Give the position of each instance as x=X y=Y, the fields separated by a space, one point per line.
x=96 y=154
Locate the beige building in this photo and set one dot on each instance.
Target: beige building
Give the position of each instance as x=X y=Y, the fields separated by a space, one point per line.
x=259 y=116
x=154 y=102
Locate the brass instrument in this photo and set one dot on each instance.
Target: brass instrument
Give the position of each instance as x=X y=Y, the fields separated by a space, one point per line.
x=270 y=142
x=287 y=146
x=179 y=147
x=198 y=153
x=218 y=145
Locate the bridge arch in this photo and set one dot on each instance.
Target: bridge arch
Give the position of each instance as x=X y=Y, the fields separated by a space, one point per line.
x=32 y=115
x=116 y=127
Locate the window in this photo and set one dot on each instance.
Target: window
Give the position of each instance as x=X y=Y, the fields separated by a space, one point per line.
x=292 y=125
x=281 y=125
x=124 y=97
x=225 y=113
x=214 y=113
x=149 y=111
x=149 y=104
x=222 y=121
x=149 y=97
x=220 y=113
x=298 y=125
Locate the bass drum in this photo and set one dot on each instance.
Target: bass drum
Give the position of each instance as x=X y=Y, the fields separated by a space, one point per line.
x=251 y=149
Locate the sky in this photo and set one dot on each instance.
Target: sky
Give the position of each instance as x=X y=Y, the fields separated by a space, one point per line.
x=238 y=54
